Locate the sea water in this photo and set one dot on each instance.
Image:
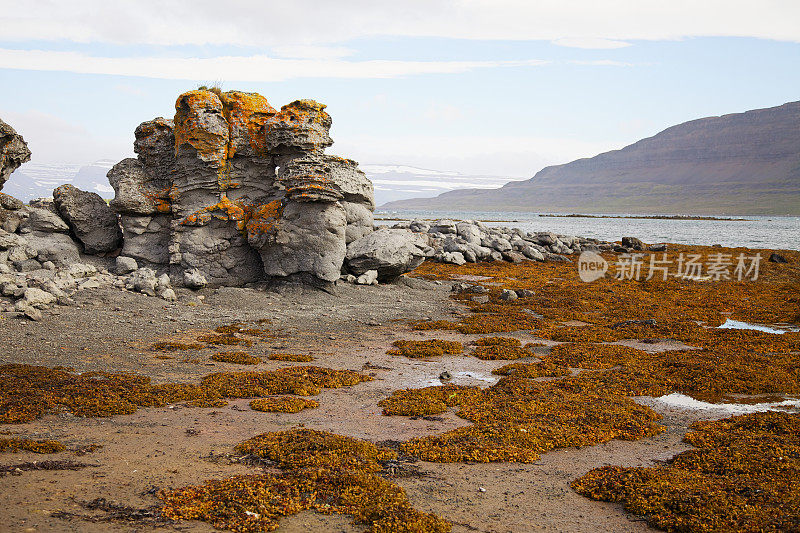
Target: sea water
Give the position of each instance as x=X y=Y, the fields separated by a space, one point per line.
x=752 y=232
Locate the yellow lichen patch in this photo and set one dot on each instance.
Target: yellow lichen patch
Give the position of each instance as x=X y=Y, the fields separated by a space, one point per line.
x=29 y=445
x=282 y=404
x=491 y=348
x=318 y=470
x=532 y=370
x=593 y=356
x=427 y=401
x=518 y=419
x=743 y=476
x=28 y=392
x=426 y=348
x=239 y=358
x=293 y=357
x=170 y=346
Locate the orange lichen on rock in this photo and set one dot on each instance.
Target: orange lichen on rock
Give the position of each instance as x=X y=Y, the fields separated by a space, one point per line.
x=247 y=114
x=261 y=219
x=282 y=404
x=317 y=470
x=192 y=127
x=30 y=445
x=743 y=476
x=426 y=348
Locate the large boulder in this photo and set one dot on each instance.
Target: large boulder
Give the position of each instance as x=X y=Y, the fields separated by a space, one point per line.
x=92 y=222
x=13 y=152
x=236 y=191
x=391 y=252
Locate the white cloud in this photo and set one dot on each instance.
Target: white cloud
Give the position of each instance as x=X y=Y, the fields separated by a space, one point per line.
x=601 y=63
x=237 y=68
x=590 y=42
x=307 y=51
x=53 y=140
x=277 y=22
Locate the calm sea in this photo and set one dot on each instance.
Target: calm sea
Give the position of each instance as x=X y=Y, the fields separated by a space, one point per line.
x=753 y=232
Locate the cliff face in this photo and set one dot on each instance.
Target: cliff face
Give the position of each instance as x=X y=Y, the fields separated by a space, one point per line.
x=13 y=152
x=240 y=192
x=745 y=163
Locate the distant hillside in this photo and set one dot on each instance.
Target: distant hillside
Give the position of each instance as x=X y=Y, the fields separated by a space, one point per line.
x=743 y=163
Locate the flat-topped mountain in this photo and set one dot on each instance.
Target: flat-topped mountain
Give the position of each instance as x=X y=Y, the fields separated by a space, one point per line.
x=742 y=163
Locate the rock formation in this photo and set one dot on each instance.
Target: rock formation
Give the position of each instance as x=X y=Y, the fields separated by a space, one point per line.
x=240 y=192
x=13 y=152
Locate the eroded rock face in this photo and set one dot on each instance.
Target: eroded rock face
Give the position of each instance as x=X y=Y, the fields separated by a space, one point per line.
x=13 y=152
x=238 y=191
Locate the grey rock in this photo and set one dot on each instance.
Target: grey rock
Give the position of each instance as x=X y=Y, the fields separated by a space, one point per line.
x=38 y=298
x=443 y=226
x=419 y=226
x=44 y=221
x=455 y=258
x=125 y=265
x=144 y=280
x=632 y=243
x=653 y=248
x=546 y=238
x=370 y=277
x=513 y=257
x=10 y=203
x=92 y=222
x=168 y=294
x=391 y=252
x=31 y=313
x=194 y=279
x=28 y=265
x=10 y=221
x=11 y=240
x=532 y=253
x=56 y=247
x=777 y=258
x=508 y=295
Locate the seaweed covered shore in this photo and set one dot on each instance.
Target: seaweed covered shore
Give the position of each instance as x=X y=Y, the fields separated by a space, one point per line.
x=492 y=396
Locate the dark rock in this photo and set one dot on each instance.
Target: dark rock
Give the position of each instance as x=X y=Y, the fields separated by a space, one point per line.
x=632 y=243
x=777 y=258
x=13 y=152
x=92 y=222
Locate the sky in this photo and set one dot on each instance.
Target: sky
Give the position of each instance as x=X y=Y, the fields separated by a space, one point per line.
x=500 y=87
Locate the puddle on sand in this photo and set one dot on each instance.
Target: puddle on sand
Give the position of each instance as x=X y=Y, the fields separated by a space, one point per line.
x=464 y=378
x=681 y=401
x=736 y=324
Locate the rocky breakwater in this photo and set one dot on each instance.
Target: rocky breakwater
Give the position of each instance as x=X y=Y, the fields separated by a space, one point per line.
x=469 y=241
x=232 y=191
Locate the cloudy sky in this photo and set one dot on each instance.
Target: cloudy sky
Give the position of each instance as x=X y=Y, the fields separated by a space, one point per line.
x=498 y=87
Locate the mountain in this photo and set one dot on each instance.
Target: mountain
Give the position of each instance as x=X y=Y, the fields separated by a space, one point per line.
x=742 y=163
x=37 y=180
x=396 y=182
